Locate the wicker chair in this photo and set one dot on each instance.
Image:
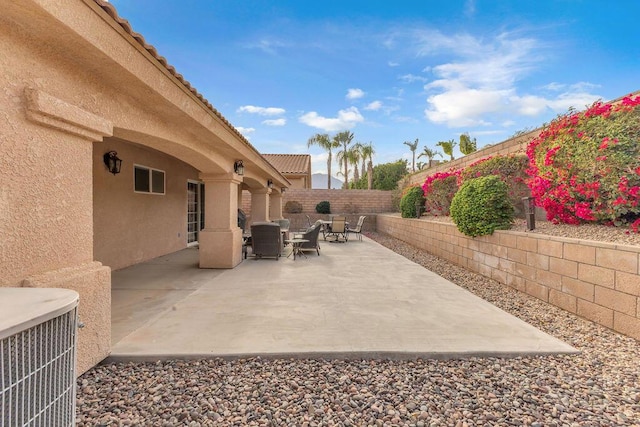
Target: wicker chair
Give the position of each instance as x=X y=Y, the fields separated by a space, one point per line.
x=265 y=240
x=312 y=236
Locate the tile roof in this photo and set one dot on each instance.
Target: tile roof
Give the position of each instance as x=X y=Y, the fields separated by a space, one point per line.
x=299 y=164
x=111 y=11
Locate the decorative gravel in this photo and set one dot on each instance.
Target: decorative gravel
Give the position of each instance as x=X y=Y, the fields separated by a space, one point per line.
x=599 y=387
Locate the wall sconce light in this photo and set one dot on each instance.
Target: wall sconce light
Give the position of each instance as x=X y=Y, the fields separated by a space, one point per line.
x=112 y=162
x=238 y=167
x=283 y=190
x=269 y=183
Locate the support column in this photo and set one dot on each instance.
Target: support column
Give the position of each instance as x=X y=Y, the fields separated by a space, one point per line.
x=275 y=205
x=48 y=210
x=260 y=204
x=221 y=239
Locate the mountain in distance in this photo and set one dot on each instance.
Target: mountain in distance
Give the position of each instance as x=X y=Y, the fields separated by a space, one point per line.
x=319 y=181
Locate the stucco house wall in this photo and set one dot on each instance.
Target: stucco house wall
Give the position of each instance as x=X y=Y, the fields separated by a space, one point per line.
x=127 y=226
x=76 y=82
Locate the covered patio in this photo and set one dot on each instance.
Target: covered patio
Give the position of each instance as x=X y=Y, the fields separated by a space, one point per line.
x=355 y=300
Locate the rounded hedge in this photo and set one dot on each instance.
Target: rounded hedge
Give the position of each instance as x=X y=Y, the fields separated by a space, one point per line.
x=482 y=206
x=293 y=206
x=412 y=197
x=323 y=207
x=511 y=168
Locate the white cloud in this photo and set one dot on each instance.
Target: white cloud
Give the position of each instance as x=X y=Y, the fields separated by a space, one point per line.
x=578 y=100
x=373 y=106
x=405 y=119
x=355 y=93
x=245 y=131
x=262 y=111
x=267 y=46
x=532 y=105
x=275 y=122
x=459 y=106
x=392 y=64
x=470 y=8
x=346 y=119
x=483 y=77
x=575 y=87
x=410 y=78
x=529 y=105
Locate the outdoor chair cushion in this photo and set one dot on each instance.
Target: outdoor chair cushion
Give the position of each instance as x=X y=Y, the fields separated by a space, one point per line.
x=265 y=239
x=312 y=236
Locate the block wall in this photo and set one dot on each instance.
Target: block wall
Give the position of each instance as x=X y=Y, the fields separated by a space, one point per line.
x=341 y=201
x=597 y=281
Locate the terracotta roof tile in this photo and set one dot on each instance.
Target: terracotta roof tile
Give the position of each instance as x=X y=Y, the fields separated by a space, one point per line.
x=298 y=164
x=111 y=11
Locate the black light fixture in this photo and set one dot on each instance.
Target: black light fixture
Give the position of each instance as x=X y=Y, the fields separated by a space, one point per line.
x=269 y=183
x=112 y=162
x=283 y=189
x=238 y=167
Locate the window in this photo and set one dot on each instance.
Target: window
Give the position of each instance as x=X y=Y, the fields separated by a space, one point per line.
x=147 y=180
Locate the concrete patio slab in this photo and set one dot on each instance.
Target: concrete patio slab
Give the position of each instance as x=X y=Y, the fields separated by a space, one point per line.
x=356 y=300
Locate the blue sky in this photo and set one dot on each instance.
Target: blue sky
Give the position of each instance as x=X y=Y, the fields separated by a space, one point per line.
x=393 y=71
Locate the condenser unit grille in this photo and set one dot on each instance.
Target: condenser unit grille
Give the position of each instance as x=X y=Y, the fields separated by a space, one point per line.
x=38 y=374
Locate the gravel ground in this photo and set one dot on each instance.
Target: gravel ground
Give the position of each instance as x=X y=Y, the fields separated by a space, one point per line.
x=599 y=387
x=600 y=233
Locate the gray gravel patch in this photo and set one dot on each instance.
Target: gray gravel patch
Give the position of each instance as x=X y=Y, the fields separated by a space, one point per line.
x=599 y=387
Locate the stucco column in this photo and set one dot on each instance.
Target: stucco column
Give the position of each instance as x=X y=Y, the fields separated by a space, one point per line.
x=260 y=204
x=49 y=210
x=275 y=205
x=221 y=239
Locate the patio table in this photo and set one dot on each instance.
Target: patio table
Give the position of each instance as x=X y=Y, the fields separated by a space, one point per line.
x=296 y=245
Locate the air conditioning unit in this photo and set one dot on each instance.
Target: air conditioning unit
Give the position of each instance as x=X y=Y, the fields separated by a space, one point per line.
x=38 y=334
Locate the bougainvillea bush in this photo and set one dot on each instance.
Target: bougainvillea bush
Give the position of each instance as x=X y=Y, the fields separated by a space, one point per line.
x=512 y=169
x=585 y=166
x=439 y=190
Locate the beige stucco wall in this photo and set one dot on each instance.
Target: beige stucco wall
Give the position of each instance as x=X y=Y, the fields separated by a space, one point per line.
x=297 y=181
x=71 y=75
x=131 y=227
x=46 y=215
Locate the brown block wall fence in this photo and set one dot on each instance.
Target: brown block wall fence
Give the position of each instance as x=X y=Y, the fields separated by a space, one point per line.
x=597 y=281
x=351 y=203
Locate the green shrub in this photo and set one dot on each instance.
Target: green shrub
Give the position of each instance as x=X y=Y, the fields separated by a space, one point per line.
x=482 y=206
x=323 y=207
x=293 y=207
x=411 y=197
x=512 y=169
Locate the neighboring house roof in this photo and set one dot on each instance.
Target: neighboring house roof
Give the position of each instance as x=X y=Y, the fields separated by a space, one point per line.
x=290 y=164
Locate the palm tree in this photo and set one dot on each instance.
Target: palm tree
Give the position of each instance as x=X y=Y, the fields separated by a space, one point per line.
x=343 y=139
x=355 y=154
x=322 y=140
x=412 y=146
x=467 y=145
x=447 y=147
x=429 y=154
x=367 y=155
